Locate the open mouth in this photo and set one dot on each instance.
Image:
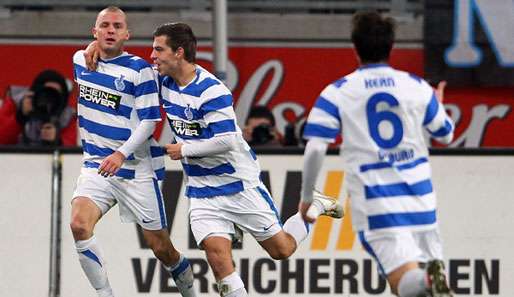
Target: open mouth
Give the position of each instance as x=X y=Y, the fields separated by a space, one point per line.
x=110 y=40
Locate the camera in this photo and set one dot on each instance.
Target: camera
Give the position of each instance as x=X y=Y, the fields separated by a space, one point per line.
x=261 y=134
x=47 y=105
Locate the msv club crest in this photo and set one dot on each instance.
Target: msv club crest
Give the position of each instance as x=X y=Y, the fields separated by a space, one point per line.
x=119 y=84
x=188 y=113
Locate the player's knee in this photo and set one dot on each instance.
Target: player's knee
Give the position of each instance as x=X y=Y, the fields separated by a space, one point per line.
x=281 y=252
x=81 y=229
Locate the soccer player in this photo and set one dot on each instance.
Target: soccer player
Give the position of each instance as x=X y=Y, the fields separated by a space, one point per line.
x=118 y=108
x=381 y=114
x=223 y=175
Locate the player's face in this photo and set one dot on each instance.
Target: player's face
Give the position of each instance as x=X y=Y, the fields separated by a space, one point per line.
x=111 y=32
x=164 y=58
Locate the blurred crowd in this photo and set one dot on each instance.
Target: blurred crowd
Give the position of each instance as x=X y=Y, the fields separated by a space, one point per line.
x=39 y=115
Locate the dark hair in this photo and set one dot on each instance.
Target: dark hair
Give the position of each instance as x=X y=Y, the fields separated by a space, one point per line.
x=261 y=111
x=50 y=75
x=179 y=35
x=372 y=36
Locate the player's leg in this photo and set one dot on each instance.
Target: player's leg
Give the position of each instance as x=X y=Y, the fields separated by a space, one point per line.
x=91 y=200
x=431 y=245
x=284 y=243
x=175 y=263
x=218 y=250
x=84 y=216
x=398 y=255
x=141 y=201
x=214 y=232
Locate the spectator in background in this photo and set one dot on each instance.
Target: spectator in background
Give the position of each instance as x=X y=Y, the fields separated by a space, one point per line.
x=40 y=115
x=260 y=128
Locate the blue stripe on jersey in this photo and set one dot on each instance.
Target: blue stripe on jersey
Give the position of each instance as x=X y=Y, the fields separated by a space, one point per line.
x=431 y=112
x=271 y=204
x=328 y=107
x=123 y=110
x=157 y=151
x=210 y=191
x=216 y=104
x=104 y=130
x=400 y=189
x=145 y=88
x=254 y=156
x=413 y=163
x=160 y=173
x=122 y=172
x=222 y=126
x=92 y=256
x=180 y=111
x=183 y=265
x=443 y=131
x=381 y=165
x=196 y=89
x=149 y=113
x=319 y=131
x=370 y=251
x=415 y=77
x=197 y=170
x=95 y=150
x=338 y=83
x=128 y=61
x=158 y=196
x=401 y=219
x=105 y=80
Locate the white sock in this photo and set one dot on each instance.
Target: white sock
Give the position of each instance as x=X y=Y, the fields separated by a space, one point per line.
x=93 y=264
x=412 y=283
x=183 y=276
x=232 y=286
x=297 y=228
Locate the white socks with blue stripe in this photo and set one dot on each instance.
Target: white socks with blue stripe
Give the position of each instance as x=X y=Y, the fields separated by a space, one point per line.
x=412 y=283
x=183 y=276
x=91 y=260
x=232 y=286
x=297 y=228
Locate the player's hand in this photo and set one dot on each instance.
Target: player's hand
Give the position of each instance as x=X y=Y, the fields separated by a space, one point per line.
x=111 y=164
x=91 y=54
x=174 y=150
x=439 y=91
x=303 y=207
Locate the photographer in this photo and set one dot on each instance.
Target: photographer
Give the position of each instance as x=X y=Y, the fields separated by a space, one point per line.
x=39 y=116
x=260 y=128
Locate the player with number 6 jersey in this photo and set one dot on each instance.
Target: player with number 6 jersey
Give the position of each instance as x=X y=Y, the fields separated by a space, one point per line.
x=381 y=114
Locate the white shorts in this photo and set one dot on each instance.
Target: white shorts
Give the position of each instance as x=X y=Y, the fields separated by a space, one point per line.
x=251 y=210
x=393 y=249
x=140 y=199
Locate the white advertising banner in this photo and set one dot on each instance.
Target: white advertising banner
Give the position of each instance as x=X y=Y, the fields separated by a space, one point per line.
x=25 y=192
x=475 y=204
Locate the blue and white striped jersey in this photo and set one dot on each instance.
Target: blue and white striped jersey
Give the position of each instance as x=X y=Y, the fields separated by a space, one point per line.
x=197 y=112
x=380 y=113
x=112 y=101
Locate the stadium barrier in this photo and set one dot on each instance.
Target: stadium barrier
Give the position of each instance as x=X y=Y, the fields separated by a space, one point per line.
x=475 y=202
